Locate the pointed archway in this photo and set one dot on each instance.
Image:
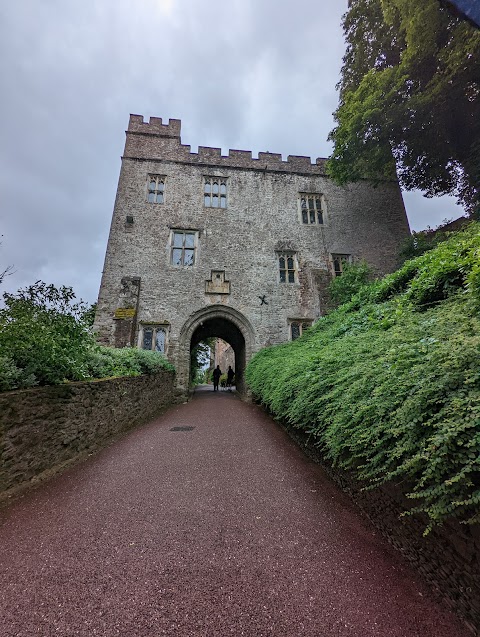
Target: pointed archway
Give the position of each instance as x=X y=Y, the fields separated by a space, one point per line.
x=222 y=322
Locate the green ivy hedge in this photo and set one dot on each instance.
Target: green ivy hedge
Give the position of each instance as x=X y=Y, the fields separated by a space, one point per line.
x=388 y=385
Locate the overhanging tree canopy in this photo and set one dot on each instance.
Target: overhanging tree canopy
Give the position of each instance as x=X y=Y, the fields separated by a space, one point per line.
x=409 y=99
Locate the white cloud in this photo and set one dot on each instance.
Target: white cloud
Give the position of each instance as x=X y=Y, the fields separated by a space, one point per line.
x=252 y=74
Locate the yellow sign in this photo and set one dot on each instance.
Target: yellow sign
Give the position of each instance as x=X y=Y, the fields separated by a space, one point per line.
x=124 y=312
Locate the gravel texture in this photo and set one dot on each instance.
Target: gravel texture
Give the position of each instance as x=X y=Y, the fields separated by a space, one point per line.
x=223 y=529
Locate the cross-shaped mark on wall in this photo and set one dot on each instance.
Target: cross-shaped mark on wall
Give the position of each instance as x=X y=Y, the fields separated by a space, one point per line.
x=263 y=300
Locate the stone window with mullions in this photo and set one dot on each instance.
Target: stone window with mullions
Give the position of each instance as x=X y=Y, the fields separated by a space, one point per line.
x=215 y=192
x=339 y=261
x=312 y=209
x=287 y=265
x=153 y=338
x=297 y=327
x=183 y=247
x=156 y=189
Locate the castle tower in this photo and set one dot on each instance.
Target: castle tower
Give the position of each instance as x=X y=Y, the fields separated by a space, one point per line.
x=236 y=247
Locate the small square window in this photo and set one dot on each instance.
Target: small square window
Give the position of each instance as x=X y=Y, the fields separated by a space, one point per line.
x=215 y=192
x=298 y=327
x=155 y=189
x=183 y=246
x=312 y=209
x=339 y=261
x=287 y=266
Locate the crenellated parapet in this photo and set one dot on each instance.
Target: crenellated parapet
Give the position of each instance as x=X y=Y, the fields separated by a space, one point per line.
x=155 y=126
x=155 y=140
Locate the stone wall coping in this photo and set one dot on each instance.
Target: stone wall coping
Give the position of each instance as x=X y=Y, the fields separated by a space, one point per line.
x=76 y=384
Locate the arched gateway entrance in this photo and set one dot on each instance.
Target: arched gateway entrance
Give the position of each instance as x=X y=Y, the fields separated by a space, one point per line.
x=223 y=322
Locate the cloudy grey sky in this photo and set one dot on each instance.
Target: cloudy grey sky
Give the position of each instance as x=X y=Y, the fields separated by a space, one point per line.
x=256 y=75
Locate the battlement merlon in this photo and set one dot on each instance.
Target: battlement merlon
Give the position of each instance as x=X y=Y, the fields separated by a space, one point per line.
x=155 y=126
x=154 y=140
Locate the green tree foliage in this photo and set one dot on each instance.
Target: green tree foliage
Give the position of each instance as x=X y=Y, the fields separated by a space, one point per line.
x=46 y=338
x=88 y=315
x=409 y=99
x=200 y=356
x=388 y=385
x=42 y=332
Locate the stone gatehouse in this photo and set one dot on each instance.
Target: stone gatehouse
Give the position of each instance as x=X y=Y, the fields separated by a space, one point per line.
x=204 y=244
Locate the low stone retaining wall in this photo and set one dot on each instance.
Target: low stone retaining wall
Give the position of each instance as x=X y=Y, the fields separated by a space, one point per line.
x=43 y=428
x=448 y=557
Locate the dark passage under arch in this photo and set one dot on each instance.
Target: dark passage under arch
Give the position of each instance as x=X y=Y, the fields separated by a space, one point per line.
x=220 y=327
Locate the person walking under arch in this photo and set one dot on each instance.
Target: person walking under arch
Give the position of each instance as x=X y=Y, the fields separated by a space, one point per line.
x=230 y=377
x=217 y=372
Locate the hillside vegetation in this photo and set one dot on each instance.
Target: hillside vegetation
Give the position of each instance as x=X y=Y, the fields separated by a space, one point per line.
x=388 y=384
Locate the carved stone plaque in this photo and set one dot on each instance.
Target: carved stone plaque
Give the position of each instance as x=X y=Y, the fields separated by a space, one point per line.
x=217 y=283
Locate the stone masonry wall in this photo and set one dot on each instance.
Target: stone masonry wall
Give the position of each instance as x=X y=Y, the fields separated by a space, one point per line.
x=240 y=242
x=43 y=428
x=448 y=557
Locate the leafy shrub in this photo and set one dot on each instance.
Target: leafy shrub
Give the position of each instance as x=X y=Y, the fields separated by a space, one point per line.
x=128 y=361
x=101 y=362
x=46 y=339
x=436 y=274
x=420 y=242
x=11 y=377
x=43 y=334
x=396 y=282
x=151 y=362
x=390 y=392
x=354 y=277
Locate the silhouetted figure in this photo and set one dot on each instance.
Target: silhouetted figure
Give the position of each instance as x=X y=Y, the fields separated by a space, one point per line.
x=230 y=377
x=217 y=372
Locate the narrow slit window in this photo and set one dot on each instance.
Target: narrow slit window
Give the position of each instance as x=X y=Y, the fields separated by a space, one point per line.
x=160 y=341
x=147 y=338
x=283 y=271
x=295 y=327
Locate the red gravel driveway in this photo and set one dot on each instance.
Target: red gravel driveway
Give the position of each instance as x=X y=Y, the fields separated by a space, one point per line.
x=224 y=529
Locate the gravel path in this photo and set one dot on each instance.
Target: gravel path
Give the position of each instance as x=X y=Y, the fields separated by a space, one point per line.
x=224 y=529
